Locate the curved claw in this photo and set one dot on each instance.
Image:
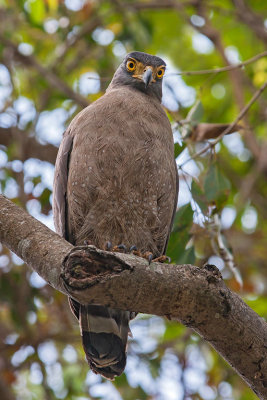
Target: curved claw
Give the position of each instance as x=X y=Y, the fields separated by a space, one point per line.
x=150 y=258
x=108 y=246
x=120 y=247
x=132 y=248
x=162 y=259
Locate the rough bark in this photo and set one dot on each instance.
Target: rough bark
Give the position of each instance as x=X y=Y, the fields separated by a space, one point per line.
x=36 y=244
x=197 y=297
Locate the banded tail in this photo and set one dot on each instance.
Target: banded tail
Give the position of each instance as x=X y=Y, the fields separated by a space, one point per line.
x=104 y=334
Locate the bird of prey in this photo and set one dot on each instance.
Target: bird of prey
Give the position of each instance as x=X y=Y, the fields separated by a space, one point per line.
x=116 y=182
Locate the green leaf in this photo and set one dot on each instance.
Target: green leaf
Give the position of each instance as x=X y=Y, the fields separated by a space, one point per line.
x=187 y=257
x=173 y=331
x=181 y=233
x=44 y=198
x=183 y=218
x=53 y=4
x=37 y=179
x=178 y=149
x=259 y=305
x=37 y=10
x=215 y=184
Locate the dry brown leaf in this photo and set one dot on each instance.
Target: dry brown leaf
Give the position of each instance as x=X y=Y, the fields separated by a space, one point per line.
x=204 y=131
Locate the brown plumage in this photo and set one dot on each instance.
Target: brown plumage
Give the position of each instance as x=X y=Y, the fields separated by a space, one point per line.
x=116 y=181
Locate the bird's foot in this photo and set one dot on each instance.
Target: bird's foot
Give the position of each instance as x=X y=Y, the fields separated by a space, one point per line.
x=149 y=257
x=162 y=259
x=120 y=248
x=133 y=249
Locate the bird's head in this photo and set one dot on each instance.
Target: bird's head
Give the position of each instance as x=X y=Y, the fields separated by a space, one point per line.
x=141 y=71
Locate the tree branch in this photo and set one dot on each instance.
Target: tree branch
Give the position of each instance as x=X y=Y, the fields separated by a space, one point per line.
x=72 y=40
x=53 y=80
x=221 y=69
x=197 y=297
x=26 y=146
x=251 y=19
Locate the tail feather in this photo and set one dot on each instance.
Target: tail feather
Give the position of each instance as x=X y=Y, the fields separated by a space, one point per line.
x=104 y=353
x=104 y=334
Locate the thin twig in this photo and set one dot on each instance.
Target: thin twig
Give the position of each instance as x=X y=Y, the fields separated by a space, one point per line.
x=228 y=129
x=221 y=69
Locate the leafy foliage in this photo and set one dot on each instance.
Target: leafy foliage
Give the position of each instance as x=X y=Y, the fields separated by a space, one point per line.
x=55 y=57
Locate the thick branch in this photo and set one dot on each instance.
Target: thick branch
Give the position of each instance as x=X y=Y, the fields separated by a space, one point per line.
x=36 y=244
x=195 y=296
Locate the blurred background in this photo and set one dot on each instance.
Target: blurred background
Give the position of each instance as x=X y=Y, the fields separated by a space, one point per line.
x=56 y=57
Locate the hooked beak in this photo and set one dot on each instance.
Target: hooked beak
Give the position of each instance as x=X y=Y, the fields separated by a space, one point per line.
x=147 y=77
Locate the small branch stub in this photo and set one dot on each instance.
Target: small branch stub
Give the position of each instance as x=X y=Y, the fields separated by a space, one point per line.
x=85 y=266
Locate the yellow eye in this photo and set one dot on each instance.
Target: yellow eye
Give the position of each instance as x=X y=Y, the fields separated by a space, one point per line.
x=160 y=73
x=131 y=65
